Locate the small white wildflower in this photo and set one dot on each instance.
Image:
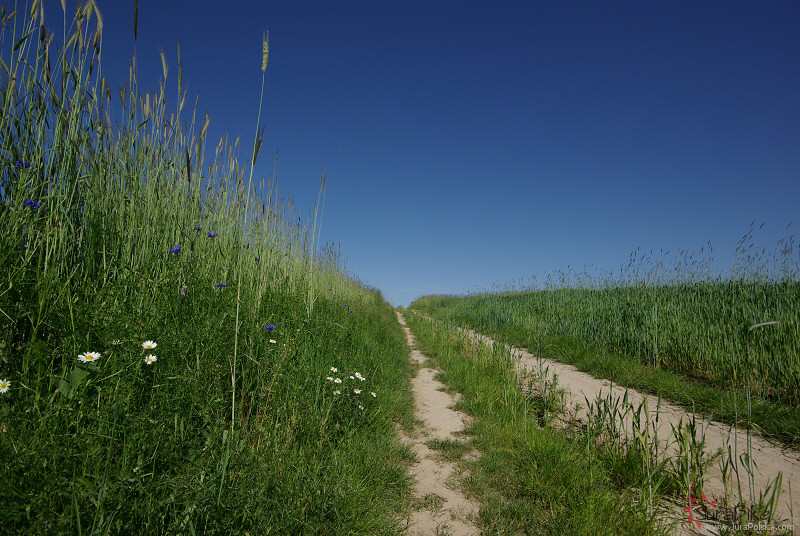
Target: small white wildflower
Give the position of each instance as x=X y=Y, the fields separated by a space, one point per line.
x=150 y=359
x=337 y=380
x=359 y=376
x=116 y=342
x=372 y=394
x=4 y=385
x=329 y=378
x=360 y=407
x=272 y=341
x=352 y=378
x=357 y=391
x=148 y=345
x=337 y=392
x=88 y=357
x=334 y=369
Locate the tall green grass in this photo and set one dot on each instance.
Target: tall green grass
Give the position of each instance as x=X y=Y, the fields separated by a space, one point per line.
x=685 y=321
x=114 y=231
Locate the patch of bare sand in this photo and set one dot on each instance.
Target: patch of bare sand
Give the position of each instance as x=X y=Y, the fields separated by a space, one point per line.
x=443 y=508
x=769 y=459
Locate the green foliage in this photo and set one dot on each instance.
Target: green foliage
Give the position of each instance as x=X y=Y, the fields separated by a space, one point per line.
x=530 y=480
x=232 y=429
x=682 y=336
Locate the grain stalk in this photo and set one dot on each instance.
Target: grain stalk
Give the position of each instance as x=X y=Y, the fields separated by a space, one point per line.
x=256 y=148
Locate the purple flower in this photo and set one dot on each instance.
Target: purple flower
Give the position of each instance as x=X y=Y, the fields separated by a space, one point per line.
x=212 y=235
x=176 y=249
x=258 y=259
x=269 y=327
x=32 y=204
x=221 y=285
x=198 y=228
x=20 y=163
x=182 y=292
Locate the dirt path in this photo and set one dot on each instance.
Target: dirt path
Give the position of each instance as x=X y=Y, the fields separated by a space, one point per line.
x=444 y=510
x=769 y=459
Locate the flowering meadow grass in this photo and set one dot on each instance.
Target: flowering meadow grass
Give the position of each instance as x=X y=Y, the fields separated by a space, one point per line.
x=167 y=326
x=716 y=344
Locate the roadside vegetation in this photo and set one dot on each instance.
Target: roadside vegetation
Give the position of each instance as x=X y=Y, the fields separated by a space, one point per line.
x=541 y=470
x=724 y=346
x=529 y=478
x=177 y=353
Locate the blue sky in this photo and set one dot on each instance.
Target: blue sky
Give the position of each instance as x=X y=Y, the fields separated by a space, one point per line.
x=476 y=144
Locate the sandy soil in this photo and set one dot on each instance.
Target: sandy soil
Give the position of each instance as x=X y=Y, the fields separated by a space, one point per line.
x=445 y=509
x=770 y=459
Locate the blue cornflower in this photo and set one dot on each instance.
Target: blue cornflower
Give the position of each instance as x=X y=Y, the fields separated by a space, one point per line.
x=20 y=163
x=176 y=249
x=198 y=228
x=212 y=235
x=182 y=292
x=258 y=259
x=221 y=285
x=269 y=327
x=32 y=204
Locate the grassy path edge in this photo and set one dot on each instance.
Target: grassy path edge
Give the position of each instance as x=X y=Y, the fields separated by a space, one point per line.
x=529 y=479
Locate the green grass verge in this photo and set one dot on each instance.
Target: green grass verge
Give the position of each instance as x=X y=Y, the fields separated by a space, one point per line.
x=113 y=232
x=529 y=480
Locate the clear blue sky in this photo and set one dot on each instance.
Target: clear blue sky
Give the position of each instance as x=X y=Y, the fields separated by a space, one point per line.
x=469 y=144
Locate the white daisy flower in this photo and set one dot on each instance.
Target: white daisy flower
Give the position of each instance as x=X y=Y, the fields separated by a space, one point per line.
x=329 y=378
x=116 y=342
x=359 y=376
x=150 y=359
x=148 y=345
x=360 y=407
x=272 y=341
x=337 y=380
x=4 y=385
x=334 y=369
x=372 y=394
x=88 y=357
x=357 y=391
x=337 y=392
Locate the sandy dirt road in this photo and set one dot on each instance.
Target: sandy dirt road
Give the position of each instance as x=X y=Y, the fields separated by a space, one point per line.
x=444 y=509
x=770 y=459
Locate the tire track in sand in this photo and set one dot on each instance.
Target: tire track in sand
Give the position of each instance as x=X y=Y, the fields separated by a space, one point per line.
x=444 y=510
x=769 y=459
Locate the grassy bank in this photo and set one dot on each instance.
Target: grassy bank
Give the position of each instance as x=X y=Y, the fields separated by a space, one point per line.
x=701 y=343
x=168 y=328
x=529 y=479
